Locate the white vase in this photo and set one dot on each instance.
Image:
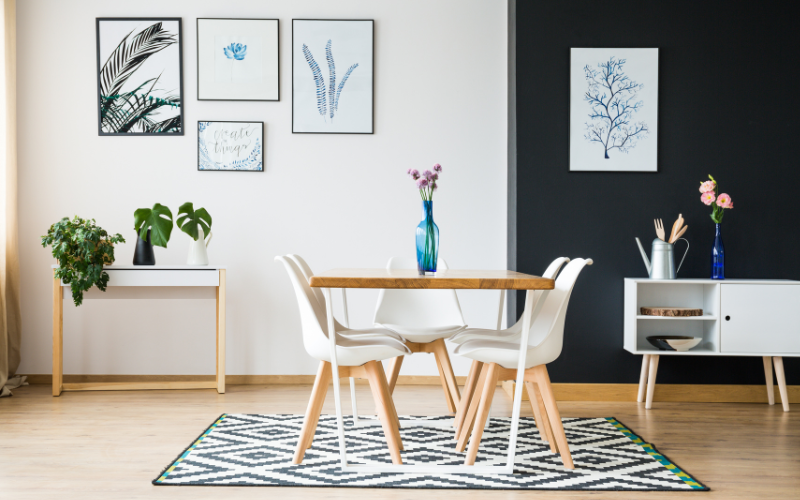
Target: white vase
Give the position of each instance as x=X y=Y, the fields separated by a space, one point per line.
x=198 y=256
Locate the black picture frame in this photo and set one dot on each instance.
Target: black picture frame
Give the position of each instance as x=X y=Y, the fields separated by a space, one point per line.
x=100 y=131
x=263 y=137
x=372 y=120
x=278 y=26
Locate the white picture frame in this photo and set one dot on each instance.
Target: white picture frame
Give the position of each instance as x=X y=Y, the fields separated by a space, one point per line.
x=613 y=110
x=230 y=146
x=338 y=102
x=238 y=59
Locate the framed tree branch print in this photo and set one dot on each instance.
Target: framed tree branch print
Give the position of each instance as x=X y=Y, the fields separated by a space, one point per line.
x=238 y=60
x=332 y=76
x=139 y=76
x=613 y=110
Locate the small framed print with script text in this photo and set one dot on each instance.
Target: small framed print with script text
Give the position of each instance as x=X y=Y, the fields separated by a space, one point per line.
x=235 y=146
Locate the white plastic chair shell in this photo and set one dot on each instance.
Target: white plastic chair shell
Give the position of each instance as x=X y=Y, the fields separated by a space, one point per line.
x=353 y=347
x=546 y=337
x=420 y=316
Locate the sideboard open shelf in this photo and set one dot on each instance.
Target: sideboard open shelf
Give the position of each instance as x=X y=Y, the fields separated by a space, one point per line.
x=740 y=318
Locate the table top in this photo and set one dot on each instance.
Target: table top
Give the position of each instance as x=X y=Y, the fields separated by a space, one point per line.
x=452 y=279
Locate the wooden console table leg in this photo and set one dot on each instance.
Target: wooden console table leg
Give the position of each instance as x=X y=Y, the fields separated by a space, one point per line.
x=221 y=333
x=781 y=376
x=651 y=380
x=58 y=336
x=768 y=377
x=643 y=378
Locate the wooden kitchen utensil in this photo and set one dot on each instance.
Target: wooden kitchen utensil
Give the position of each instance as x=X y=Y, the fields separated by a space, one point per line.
x=680 y=233
x=659 y=229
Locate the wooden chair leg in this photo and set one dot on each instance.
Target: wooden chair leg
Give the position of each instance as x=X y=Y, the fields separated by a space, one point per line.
x=540 y=413
x=543 y=381
x=768 y=376
x=394 y=372
x=651 y=380
x=382 y=403
x=440 y=351
x=489 y=387
x=313 y=411
x=643 y=378
x=392 y=408
x=466 y=396
x=469 y=418
x=781 y=376
x=451 y=406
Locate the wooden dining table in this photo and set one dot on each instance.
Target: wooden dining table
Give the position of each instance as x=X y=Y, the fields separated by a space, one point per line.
x=454 y=279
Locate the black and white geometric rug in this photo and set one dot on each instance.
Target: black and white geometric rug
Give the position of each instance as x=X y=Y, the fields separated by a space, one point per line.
x=257 y=450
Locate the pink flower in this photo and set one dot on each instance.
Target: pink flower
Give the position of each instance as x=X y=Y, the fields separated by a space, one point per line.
x=724 y=200
x=422 y=183
x=414 y=174
x=427 y=174
x=437 y=168
x=707 y=187
x=707 y=197
x=434 y=186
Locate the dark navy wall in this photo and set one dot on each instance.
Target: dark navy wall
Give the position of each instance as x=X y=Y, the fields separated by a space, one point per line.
x=729 y=105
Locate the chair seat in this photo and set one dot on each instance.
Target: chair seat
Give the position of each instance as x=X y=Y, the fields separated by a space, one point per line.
x=342 y=331
x=505 y=354
x=360 y=346
x=424 y=335
x=506 y=335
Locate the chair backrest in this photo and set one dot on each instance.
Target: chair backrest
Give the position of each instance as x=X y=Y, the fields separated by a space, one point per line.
x=313 y=317
x=547 y=330
x=308 y=273
x=417 y=308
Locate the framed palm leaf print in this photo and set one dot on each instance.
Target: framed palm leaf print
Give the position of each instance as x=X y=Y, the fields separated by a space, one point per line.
x=139 y=76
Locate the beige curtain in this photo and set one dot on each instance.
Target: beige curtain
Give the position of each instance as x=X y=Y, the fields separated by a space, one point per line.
x=10 y=333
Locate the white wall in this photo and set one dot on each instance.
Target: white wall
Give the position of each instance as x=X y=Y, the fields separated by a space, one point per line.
x=338 y=200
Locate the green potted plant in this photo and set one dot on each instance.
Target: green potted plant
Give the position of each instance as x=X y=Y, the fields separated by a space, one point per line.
x=195 y=223
x=81 y=248
x=153 y=227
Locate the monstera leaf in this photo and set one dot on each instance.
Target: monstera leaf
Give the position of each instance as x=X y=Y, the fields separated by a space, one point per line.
x=189 y=218
x=158 y=219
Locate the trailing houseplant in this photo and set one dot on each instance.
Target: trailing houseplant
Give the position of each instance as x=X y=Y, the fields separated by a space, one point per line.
x=81 y=248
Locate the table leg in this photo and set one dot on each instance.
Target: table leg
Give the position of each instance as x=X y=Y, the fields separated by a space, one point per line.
x=781 y=376
x=58 y=336
x=768 y=376
x=221 y=333
x=643 y=378
x=326 y=292
x=651 y=380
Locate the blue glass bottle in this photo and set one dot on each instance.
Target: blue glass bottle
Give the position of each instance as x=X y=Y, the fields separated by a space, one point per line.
x=427 y=240
x=718 y=257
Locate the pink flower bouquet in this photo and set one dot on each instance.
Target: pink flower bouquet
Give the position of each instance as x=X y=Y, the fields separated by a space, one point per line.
x=710 y=195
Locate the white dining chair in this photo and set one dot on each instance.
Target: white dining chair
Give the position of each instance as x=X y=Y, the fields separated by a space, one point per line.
x=545 y=338
x=358 y=353
x=512 y=333
x=424 y=318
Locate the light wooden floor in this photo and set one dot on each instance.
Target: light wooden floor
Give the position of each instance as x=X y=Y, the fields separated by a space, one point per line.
x=108 y=445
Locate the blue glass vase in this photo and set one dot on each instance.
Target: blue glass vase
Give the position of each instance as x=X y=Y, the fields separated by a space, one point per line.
x=718 y=257
x=427 y=240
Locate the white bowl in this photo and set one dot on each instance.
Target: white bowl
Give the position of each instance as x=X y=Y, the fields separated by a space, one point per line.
x=684 y=344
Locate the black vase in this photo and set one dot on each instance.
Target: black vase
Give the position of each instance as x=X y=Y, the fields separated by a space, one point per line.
x=144 y=256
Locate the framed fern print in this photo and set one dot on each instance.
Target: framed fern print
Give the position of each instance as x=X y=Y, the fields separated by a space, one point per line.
x=332 y=76
x=139 y=76
x=231 y=146
x=238 y=60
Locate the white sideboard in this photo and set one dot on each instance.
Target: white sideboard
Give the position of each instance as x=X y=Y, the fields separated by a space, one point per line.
x=740 y=318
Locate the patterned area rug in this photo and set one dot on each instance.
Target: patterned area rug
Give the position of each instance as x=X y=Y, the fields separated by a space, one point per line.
x=256 y=450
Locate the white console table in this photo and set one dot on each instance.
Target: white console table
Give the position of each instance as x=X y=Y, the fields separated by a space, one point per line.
x=740 y=318
x=213 y=276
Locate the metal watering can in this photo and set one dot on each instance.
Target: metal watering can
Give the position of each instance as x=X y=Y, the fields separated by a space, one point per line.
x=662 y=265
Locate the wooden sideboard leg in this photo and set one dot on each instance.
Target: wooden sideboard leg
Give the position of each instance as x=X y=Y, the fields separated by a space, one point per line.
x=221 y=333
x=58 y=336
x=768 y=377
x=781 y=376
x=651 y=380
x=643 y=378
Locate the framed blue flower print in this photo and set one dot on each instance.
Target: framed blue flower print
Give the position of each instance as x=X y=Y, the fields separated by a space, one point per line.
x=238 y=60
